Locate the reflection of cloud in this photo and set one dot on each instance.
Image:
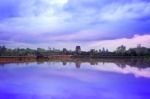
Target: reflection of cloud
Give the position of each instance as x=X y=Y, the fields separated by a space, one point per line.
x=126 y=70
x=111 y=67
x=86 y=69
x=56 y=81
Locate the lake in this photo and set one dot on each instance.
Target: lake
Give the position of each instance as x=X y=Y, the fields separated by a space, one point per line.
x=75 y=80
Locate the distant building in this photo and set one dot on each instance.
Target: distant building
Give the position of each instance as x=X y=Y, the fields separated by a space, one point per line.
x=139 y=46
x=107 y=50
x=140 y=50
x=121 y=49
x=78 y=49
x=103 y=50
x=64 y=50
x=100 y=50
x=92 y=51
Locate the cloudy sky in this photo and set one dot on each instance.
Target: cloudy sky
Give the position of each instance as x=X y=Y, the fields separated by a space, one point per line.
x=67 y=23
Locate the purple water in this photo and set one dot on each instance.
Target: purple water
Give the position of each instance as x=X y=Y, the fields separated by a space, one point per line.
x=56 y=80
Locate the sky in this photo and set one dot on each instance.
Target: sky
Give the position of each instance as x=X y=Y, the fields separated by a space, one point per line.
x=67 y=23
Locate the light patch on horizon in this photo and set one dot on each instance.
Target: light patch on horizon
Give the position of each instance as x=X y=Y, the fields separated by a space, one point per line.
x=144 y=40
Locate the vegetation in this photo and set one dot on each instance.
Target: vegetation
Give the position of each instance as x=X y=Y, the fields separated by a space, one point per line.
x=31 y=52
x=119 y=52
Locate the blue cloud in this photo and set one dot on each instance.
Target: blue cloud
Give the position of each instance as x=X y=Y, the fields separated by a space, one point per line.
x=8 y=10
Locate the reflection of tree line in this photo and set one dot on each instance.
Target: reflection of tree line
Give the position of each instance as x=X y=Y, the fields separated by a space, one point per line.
x=140 y=63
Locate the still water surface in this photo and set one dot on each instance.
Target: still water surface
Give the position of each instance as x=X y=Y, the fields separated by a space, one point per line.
x=69 y=80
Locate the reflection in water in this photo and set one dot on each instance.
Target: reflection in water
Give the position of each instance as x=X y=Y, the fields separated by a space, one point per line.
x=75 y=79
x=64 y=63
x=78 y=64
x=138 y=67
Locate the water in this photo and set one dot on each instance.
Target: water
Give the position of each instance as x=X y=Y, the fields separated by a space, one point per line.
x=70 y=80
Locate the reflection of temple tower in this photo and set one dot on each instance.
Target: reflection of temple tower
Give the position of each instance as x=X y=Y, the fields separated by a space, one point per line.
x=121 y=65
x=93 y=62
x=78 y=64
x=64 y=63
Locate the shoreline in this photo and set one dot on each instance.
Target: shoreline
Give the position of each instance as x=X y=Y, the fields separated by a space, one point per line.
x=69 y=58
x=74 y=57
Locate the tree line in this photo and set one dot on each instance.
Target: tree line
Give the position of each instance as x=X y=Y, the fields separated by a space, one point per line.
x=120 y=51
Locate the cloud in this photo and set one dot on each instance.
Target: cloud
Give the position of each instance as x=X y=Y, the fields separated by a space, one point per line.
x=133 y=11
x=128 y=42
x=34 y=21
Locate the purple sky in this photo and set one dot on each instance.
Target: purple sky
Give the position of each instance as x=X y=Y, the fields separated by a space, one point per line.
x=67 y=23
